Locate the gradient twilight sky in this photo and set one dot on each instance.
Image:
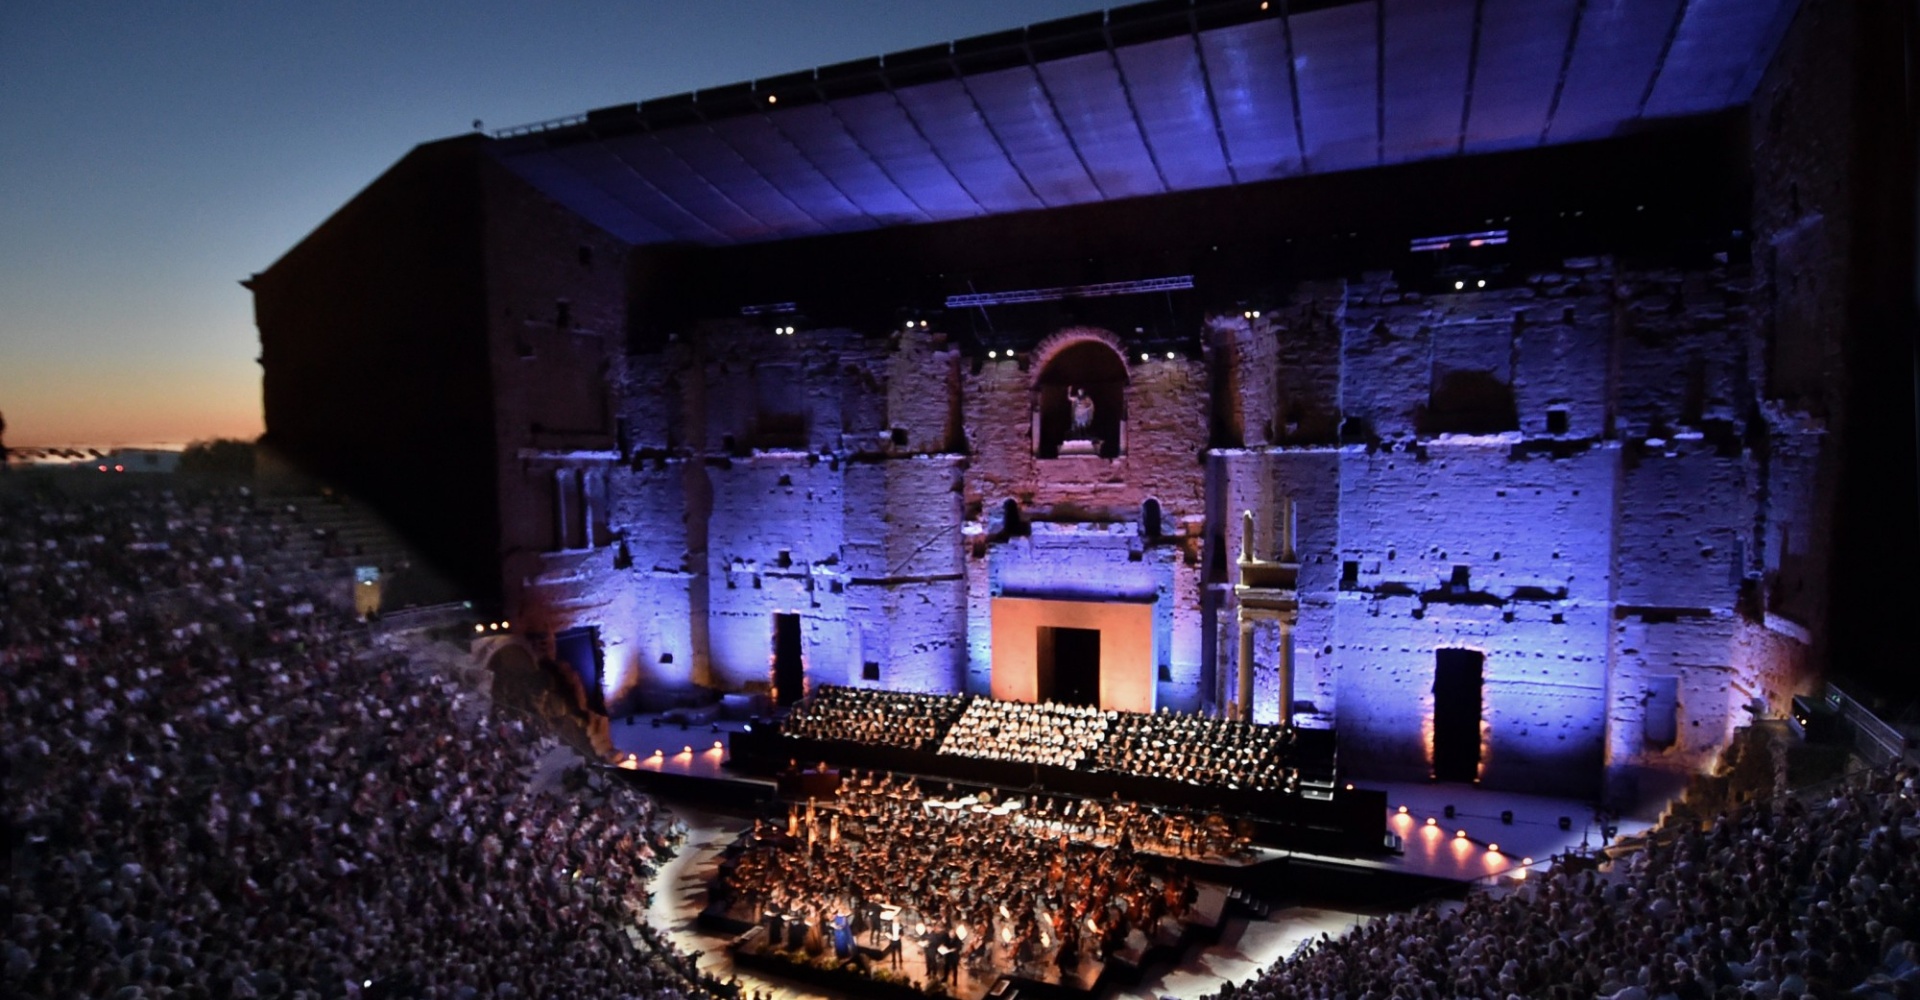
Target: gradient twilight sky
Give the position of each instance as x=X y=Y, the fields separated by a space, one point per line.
x=155 y=154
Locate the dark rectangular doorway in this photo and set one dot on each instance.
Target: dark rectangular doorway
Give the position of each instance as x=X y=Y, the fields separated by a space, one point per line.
x=789 y=673
x=1069 y=665
x=1456 y=714
x=578 y=650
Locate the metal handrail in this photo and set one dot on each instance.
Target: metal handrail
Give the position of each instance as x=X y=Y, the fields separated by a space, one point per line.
x=533 y=128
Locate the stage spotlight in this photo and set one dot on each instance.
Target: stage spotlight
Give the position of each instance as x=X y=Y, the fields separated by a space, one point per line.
x=687 y=749
x=716 y=744
x=1526 y=861
x=1447 y=812
x=1458 y=285
x=1482 y=283
x=1403 y=809
x=1506 y=817
x=1432 y=822
x=1493 y=848
x=1566 y=822
x=773 y=99
x=1459 y=834
x=1169 y=355
x=991 y=355
x=1143 y=355
x=477 y=627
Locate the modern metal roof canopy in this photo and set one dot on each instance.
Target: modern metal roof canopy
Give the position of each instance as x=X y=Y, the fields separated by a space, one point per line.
x=1142 y=100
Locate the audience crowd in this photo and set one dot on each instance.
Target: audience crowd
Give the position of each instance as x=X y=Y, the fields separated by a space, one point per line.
x=1775 y=901
x=902 y=719
x=964 y=879
x=219 y=786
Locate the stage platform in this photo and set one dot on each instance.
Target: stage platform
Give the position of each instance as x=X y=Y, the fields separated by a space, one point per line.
x=1297 y=896
x=688 y=767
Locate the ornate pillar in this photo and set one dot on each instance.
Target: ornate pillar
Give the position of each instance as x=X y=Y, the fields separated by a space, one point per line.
x=1286 y=668
x=1246 y=666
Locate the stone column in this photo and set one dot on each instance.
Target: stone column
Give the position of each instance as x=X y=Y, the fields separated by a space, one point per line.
x=1286 y=669
x=1246 y=666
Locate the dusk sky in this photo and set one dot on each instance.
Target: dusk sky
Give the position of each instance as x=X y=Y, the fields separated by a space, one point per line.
x=155 y=154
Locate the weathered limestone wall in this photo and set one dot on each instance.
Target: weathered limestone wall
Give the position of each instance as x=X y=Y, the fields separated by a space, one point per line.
x=1166 y=432
x=557 y=314
x=1681 y=350
x=1088 y=534
x=1534 y=537
x=775 y=534
x=1496 y=508
x=922 y=393
x=865 y=548
x=1309 y=480
x=1480 y=360
x=905 y=573
x=1244 y=351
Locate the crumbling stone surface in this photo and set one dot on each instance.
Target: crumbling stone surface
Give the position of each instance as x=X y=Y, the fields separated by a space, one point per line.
x=1555 y=474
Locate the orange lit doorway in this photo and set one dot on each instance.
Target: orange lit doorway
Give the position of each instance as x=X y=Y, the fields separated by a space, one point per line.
x=789 y=672
x=1069 y=665
x=1456 y=713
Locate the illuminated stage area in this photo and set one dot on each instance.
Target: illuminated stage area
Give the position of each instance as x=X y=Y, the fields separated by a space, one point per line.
x=763 y=911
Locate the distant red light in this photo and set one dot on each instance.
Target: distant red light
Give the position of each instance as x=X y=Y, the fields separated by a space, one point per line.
x=103 y=468
x=119 y=468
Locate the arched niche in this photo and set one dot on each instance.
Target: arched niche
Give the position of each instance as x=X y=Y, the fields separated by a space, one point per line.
x=1080 y=395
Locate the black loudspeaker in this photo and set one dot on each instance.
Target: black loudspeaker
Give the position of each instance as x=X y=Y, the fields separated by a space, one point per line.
x=1566 y=822
x=1449 y=812
x=1506 y=817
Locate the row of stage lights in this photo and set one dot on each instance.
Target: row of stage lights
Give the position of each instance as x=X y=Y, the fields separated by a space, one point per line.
x=1432 y=826
x=480 y=627
x=788 y=331
x=1144 y=355
x=632 y=760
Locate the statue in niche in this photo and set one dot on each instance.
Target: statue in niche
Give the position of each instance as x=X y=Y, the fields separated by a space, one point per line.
x=1079 y=437
x=1082 y=414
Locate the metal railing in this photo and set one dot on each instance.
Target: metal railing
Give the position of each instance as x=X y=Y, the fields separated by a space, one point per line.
x=1873 y=739
x=534 y=128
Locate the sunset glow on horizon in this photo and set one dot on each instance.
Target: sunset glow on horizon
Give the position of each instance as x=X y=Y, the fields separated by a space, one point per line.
x=159 y=155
